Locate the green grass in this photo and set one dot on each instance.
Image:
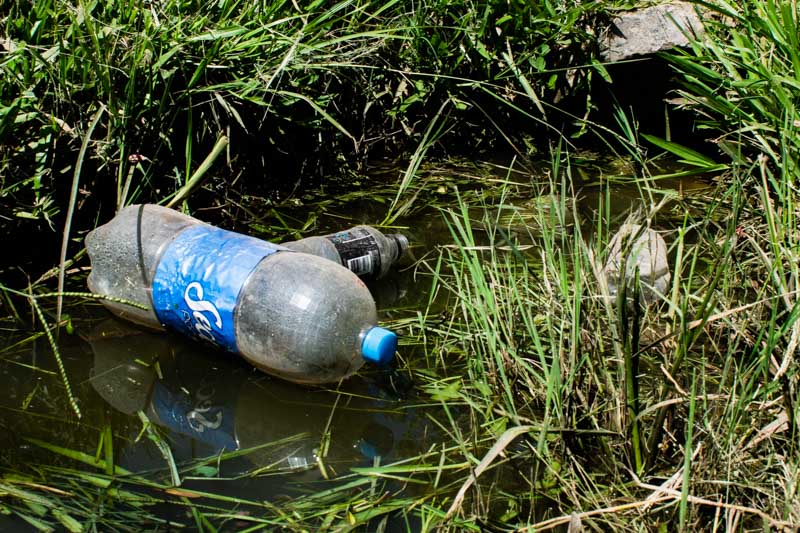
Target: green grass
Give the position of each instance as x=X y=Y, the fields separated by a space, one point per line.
x=623 y=403
x=339 y=80
x=698 y=394
x=527 y=372
x=559 y=403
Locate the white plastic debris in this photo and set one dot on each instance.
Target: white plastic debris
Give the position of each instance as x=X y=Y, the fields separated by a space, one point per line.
x=638 y=247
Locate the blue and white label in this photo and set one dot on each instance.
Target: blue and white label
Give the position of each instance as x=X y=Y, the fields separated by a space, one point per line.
x=198 y=280
x=201 y=416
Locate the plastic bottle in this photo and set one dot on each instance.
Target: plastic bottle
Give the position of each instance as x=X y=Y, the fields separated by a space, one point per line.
x=299 y=317
x=363 y=250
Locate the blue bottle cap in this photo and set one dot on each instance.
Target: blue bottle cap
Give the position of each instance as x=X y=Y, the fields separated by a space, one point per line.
x=379 y=345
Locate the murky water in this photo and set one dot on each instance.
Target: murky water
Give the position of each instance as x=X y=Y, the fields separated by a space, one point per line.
x=205 y=404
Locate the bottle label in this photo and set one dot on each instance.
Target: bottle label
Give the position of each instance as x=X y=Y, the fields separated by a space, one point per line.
x=198 y=280
x=358 y=250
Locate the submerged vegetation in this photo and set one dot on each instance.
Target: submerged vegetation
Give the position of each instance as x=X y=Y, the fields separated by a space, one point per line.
x=560 y=404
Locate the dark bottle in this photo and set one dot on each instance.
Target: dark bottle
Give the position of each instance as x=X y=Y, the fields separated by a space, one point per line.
x=363 y=250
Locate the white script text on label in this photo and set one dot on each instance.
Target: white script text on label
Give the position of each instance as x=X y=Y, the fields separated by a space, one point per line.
x=199 y=306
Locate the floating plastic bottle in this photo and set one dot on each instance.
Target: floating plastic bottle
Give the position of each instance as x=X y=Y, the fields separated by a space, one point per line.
x=364 y=250
x=297 y=316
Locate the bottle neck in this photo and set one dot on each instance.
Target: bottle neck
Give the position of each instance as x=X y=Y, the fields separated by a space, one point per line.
x=400 y=244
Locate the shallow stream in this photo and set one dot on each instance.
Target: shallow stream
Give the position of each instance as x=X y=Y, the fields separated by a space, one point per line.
x=153 y=391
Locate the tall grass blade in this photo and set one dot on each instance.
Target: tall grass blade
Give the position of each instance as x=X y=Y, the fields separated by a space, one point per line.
x=197 y=178
x=57 y=355
x=81 y=457
x=73 y=196
x=686 y=155
x=163 y=447
x=501 y=444
x=687 y=463
x=432 y=132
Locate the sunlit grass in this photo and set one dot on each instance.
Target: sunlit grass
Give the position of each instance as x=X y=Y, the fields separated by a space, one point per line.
x=558 y=404
x=545 y=350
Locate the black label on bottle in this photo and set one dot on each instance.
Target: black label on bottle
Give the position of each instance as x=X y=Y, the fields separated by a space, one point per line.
x=358 y=250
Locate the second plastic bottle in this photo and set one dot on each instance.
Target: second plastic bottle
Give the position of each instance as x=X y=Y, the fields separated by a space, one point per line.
x=297 y=316
x=363 y=250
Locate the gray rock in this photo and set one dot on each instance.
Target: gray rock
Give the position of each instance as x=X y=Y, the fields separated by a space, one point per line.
x=650 y=30
x=636 y=247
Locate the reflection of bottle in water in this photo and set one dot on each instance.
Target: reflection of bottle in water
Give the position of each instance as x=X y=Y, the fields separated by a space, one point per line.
x=219 y=403
x=296 y=316
x=203 y=414
x=218 y=415
x=388 y=291
x=363 y=250
x=123 y=372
